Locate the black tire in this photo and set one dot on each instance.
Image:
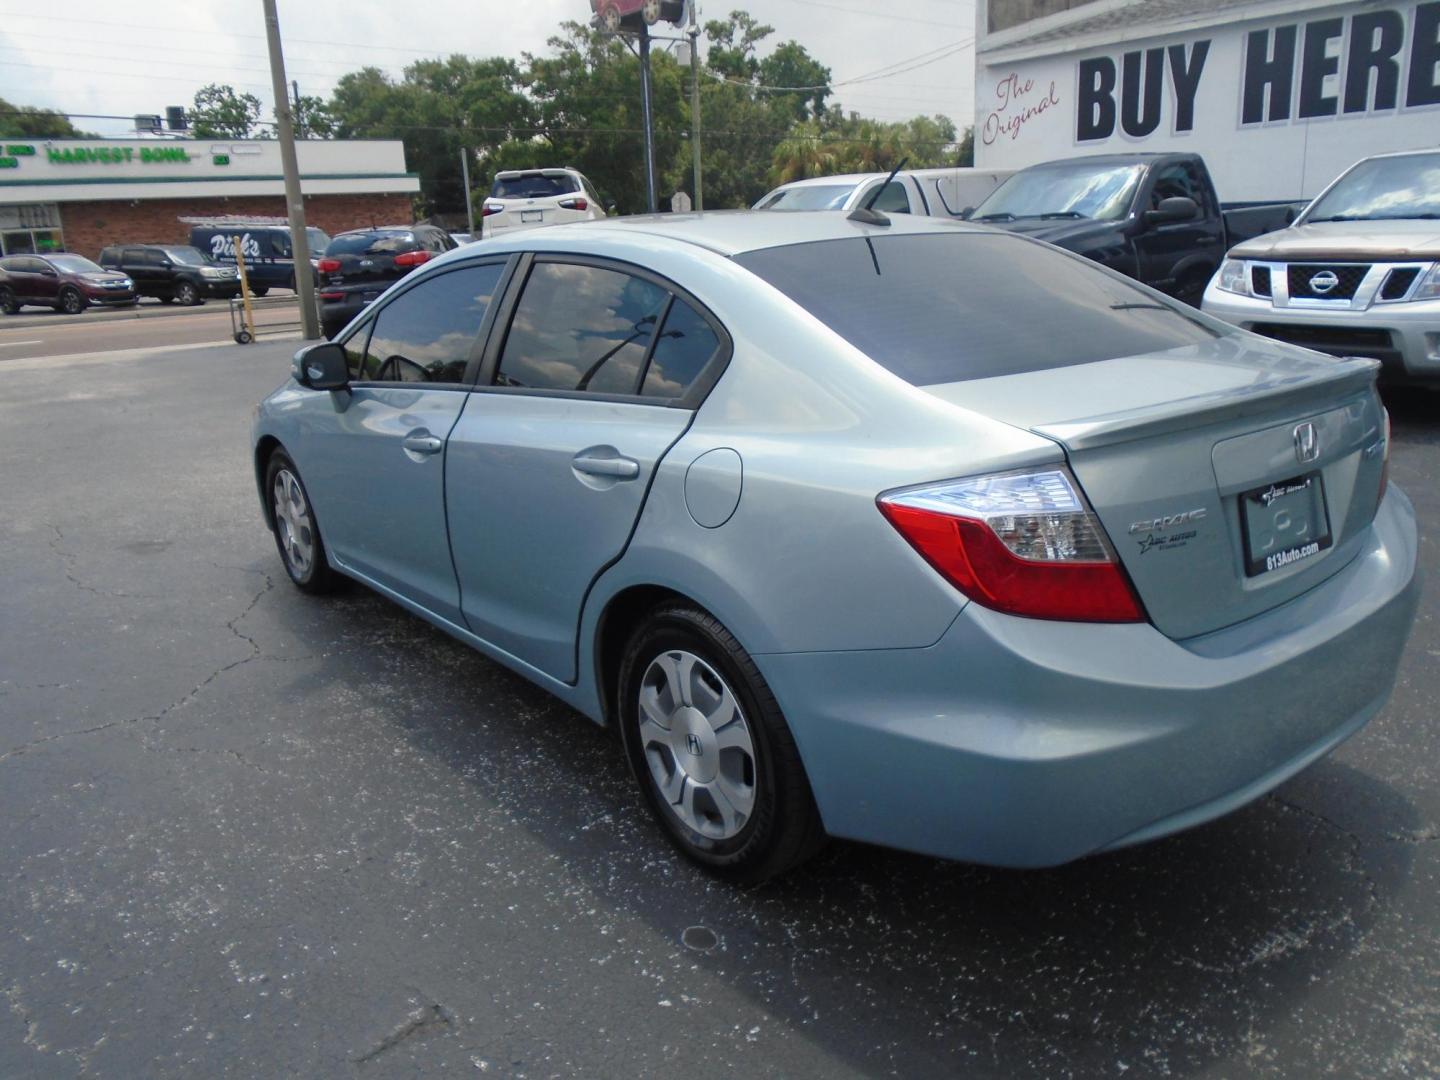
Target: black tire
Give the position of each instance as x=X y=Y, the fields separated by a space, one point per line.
x=71 y=302
x=784 y=828
x=242 y=337
x=186 y=293
x=260 y=290
x=1190 y=289
x=313 y=575
x=8 y=302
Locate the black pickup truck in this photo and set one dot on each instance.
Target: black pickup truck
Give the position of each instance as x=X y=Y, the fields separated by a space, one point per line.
x=1155 y=217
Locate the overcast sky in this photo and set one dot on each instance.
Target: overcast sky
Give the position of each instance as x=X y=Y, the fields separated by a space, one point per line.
x=127 y=58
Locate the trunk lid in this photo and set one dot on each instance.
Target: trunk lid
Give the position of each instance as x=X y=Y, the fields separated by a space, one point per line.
x=1217 y=470
x=369 y=259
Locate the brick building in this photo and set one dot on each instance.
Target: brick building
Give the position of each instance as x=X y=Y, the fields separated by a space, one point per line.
x=83 y=194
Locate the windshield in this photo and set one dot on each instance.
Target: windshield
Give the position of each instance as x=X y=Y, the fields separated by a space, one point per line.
x=74 y=264
x=1072 y=189
x=318 y=241
x=372 y=243
x=533 y=187
x=809 y=197
x=188 y=256
x=1389 y=187
x=940 y=308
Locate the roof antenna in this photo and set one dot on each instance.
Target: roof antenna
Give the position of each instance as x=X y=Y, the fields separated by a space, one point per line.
x=875 y=217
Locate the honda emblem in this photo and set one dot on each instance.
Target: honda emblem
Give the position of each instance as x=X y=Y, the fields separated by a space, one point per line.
x=1307 y=443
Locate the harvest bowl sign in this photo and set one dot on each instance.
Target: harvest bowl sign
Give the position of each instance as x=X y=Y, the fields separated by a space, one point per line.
x=116 y=155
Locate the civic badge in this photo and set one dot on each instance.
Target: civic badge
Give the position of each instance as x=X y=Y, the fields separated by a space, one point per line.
x=1323 y=282
x=1307 y=442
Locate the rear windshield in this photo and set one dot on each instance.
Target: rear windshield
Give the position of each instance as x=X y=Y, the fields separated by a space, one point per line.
x=533 y=187
x=809 y=197
x=372 y=243
x=941 y=308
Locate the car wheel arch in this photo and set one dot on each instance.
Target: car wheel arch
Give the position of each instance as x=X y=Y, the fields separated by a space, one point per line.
x=264 y=450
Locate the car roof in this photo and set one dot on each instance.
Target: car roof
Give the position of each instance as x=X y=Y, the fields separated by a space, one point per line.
x=838 y=178
x=730 y=232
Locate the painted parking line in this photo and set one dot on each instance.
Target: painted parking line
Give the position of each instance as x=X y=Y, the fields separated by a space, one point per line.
x=14 y=344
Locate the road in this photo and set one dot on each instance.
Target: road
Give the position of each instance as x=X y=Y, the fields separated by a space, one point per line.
x=252 y=833
x=36 y=332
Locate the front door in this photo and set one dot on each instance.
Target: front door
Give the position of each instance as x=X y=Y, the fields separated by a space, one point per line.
x=379 y=452
x=43 y=283
x=549 y=466
x=1165 y=249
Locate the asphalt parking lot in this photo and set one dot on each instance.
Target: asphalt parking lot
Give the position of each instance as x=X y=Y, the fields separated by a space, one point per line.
x=252 y=833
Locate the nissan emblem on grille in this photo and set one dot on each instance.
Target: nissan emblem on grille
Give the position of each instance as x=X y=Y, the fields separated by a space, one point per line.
x=1307 y=442
x=1324 y=281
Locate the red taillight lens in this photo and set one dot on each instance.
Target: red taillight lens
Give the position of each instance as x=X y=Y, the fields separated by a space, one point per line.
x=574 y=204
x=328 y=266
x=1022 y=543
x=332 y=296
x=491 y=208
x=413 y=258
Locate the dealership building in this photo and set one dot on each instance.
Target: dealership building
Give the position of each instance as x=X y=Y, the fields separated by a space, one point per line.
x=1279 y=98
x=83 y=194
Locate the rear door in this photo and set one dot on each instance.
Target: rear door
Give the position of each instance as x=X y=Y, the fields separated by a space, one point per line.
x=549 y=466
x=44 y=281
x=379 y=451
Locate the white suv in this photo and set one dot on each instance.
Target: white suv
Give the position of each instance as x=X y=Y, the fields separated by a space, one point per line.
x=529 y=198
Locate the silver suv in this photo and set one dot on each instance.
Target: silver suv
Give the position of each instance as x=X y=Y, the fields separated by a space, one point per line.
x=1358 y=274
x=529 y=198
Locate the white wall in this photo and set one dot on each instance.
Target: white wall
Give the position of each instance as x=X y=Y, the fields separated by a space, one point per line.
x=1038 y=108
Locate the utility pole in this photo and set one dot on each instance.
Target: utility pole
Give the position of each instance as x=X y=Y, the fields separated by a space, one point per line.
x=648 y=118
x=295 y=103
x=294 y=201
x=695 y=104
x=465 y=179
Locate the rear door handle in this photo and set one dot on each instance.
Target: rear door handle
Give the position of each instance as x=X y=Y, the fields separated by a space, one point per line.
x=423 y=444
x=619 y=468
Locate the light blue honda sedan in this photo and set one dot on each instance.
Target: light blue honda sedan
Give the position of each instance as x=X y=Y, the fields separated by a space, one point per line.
x=905 y=531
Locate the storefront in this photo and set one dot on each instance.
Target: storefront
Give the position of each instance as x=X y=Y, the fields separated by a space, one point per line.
x=1279 y=98
x=84 y=194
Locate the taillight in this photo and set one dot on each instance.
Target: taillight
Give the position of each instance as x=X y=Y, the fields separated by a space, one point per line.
x=573 y=204
x=328 y=266
x=1021 y=542
x=1385 y=462
x=413 y=258
x=491 y=208
x=332 y=296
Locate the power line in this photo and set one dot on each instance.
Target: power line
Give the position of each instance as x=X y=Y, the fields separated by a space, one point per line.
x=880 y=14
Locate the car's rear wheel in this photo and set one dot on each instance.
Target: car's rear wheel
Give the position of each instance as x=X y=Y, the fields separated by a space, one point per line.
x=711 y=750
x=297 y=534
x=610 y=18
x=8 y=302
x=71 y=302
x=188 y=294
x=260 y=290
x=166 y=299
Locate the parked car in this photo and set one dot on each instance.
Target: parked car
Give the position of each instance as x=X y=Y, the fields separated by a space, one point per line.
x=725 y=481
x=1153 y=217
x=172 y=272
x=529 y=198
x=463 y=237
x=361 y=264
x=1358 y=274
x=269 y=255
x=68 y=283
x=936 y=192
x=611 y=14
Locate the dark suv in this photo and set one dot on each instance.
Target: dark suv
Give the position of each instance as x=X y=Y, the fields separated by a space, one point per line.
x=68 y=283
x=359 y=265
x=172 y=272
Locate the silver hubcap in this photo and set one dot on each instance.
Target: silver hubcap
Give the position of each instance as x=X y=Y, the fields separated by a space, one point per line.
x=697 y=744
x=292 y=522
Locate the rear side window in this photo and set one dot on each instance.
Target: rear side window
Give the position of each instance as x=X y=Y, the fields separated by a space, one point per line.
x=372 y=243
x=426 y=334
x=533 y=187
x=948 y=307
x=686 y=344
x=580 y=328
x=893 y=200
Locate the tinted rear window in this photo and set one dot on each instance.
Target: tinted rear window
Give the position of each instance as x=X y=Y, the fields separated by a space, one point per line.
x=372 y=243
x=946 y=308
x=533 y=187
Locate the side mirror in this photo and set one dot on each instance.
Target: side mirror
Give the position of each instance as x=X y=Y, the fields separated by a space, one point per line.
x=46 y=270
x=321 y=366
x=1175 y=208
x=964 y=215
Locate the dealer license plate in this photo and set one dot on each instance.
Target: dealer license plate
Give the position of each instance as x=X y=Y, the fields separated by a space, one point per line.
x=1284 y=523
x=532 y=215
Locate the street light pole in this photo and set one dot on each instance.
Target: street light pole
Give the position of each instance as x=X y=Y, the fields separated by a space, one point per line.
x=294 y=201
x=648 y=118
x=695 y=105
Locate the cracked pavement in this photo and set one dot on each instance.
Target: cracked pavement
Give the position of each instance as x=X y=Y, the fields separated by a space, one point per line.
x=253 y=833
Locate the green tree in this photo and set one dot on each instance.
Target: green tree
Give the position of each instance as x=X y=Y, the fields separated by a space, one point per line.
x=313 y=119
x=856 y=144
x=219 y=112
x=29 y=122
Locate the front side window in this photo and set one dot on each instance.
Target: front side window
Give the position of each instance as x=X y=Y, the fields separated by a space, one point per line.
x=892 y=200
x=1177 y=180
x=580 y=328
x=427 y=333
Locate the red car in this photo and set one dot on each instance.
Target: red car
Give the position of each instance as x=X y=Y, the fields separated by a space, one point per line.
x=612 y=14
x=68 y=283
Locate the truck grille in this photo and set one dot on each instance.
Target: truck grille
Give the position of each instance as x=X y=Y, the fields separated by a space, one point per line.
x=1398 y=283
x=1260 y=280
x=1347 y=279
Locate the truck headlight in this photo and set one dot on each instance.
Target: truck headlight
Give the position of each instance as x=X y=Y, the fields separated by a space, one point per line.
x=1234 y=278
x=1429 y=287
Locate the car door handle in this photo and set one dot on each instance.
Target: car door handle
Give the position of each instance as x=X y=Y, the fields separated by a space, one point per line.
x=620 y=468
x=423 y=444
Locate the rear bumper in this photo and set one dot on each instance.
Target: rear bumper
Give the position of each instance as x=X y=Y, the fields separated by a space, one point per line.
x=1020 y=742
x=1404 y=337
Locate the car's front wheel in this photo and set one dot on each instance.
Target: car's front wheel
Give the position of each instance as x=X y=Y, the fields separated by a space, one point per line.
x=71 y=302
x=711 y=750
x=297 y=534
x=188 y=294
